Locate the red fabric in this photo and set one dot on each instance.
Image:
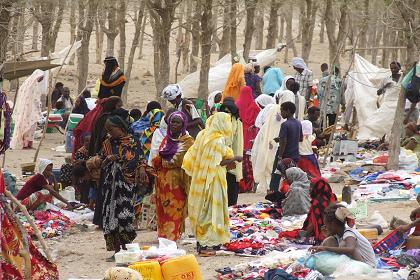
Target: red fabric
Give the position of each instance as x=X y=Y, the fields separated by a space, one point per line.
x=417 y=228
x=2 y=185
x=86 y=125
x=34 y=184
x=284 y=187
x=242 y=244
x=321 y=197
x=247 y=183
x=291 y=234
x=248 y=112
x=307 y=164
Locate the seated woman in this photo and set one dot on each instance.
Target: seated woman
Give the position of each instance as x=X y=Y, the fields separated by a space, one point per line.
x=297 y=199
x=345 y=240
x=80 y=106
x=321 y=197
x=38 y=190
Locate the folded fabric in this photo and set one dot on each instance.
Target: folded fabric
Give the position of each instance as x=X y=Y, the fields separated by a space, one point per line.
x=291 y=234
x=278 y=274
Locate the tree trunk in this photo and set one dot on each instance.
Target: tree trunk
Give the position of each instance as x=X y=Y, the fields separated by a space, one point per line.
x=250 y=27
x=206 y=31
x=289 y=36
x=308 y=28
x=187 y=39
x=21 y=32
x=143 y=27
x=122 y=9
x=396 y=131
x=259 y=25
x=137 y=31
x=215 y=40
x=73 y=25
x=45 y=15
x=322 y=30
x=225 y=40
x=99 y=41
x=57 y=24
x=4 y=29
x=282 y=27
x=233 y=28
x=364 y=27
x=336 y=43
x=195 y=47
x=111 y=31
x=385 y=43
x=13 y=34
x=272 y=25
x=162 y=19
x=301 y=4
x=35 y=32
x=378 y=37
x=83 y=52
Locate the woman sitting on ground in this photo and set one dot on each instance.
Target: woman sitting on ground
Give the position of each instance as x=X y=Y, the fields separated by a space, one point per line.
x=39 y=190
x=343 y=239
x=321 y=197
x=297 y=199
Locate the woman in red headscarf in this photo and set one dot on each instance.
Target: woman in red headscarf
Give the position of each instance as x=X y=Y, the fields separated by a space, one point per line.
x=248 y=112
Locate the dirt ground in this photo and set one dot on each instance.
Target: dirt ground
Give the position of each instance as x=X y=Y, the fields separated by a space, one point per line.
x=83 y=254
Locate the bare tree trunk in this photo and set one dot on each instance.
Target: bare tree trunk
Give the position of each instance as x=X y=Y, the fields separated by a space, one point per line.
x=393 y=37
x=250 y=27
x=111 y=31
x=45 y=15
x=378 y=37
x=35 y=32
x=122 y=9
x=83 y=52
x=21 y=32
x=385 y=41
x=137 y=31
x=206 y=31
x=215 y=40
x=259 y=26
x=289 y=39
x=322 y=30
x=162 y=19
x=143 y=27
x=73 y=25
x=99 y=40
x=282 y=27
x=272 y=25
x=225 y=40
x=57 y=24
x=364 y=27
x=396 y=131
x=180 y=38
x=336 y=42
x=187 y=39
x=233 y=28
x=308 y=28
x=301 y=4
x=13 y=34
x=195 y=47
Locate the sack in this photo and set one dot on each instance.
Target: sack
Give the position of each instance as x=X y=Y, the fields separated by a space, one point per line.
x=413 y=88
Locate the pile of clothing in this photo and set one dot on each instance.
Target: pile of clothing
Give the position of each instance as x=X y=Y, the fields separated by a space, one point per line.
x=256 y=228
x=50 y=223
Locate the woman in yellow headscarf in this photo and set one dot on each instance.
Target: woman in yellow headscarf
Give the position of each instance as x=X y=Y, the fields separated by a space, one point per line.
x=235 y=81
x=207 y=162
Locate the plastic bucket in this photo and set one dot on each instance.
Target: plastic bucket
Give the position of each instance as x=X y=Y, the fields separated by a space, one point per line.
x=150 y=270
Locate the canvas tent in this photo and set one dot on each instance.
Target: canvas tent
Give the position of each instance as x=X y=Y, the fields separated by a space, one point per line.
x=220 y=71
x=363 y=81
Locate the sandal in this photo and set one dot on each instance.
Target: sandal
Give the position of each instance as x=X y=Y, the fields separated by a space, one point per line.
x=110 y=259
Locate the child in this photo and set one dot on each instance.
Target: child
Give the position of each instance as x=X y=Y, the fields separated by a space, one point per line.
x=135 y=114
x=88 y=171
x=289 y=138
x=415 y=218
x=345 y=240
x=308 y=161
x=83 y=152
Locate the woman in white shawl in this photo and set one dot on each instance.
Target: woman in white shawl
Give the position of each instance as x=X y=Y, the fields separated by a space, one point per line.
x=298 y=200
x=158 y=136
x=27 y=111
x=264 y=148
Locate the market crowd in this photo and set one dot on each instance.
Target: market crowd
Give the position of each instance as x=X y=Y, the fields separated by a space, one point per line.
x=260 y=134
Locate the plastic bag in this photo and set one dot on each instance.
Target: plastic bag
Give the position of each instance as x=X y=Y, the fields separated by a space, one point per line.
x=352 y=268
x=408 y=160
x=167 y=248
x=378 y=219
x=326 y=262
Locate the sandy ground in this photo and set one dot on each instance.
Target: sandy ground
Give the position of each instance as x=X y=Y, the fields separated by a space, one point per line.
x=83 y=254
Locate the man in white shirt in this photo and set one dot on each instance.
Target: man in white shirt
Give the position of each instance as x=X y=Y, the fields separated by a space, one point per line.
x=303 y=76
x=66 y=99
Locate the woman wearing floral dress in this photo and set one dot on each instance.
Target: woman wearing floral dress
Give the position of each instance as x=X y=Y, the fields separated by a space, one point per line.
x=172 y=183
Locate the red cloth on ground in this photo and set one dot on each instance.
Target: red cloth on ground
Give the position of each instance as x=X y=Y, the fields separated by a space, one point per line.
x=33 y=185
x=291 y=234
x=86 y=125
x=248 y=112
x=242 y=244
x=321 y=197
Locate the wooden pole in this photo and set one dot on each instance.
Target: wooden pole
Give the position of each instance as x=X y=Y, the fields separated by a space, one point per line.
x=374 y=48
x=38 y=234
x=396 y=131
x=49 y=104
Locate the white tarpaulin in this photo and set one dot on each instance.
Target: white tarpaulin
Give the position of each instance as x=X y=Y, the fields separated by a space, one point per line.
x=364 y=81
x=219 y=73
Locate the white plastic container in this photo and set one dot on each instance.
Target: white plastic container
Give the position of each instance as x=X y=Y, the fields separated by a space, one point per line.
x=133 y=247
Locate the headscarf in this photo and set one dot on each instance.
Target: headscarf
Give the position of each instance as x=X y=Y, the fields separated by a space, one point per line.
x=272 y=80
x=412 y=126
x=157 y=139
x=262 y=115
x=264 y=100
x=171 y=92
x=248 y=111
x=144 y=122
x=231 y=106
x=117 y=121
x=210 y=99
x=321 y=197
x=298 y=62
x=283 y=86
x=170 y=149
x=306 y=127
x=83 y=108
x=235 y=80
x=42 y=165
x=155 y=117
x=285 y=164
x=297 y=178
x=345 y=216
x=249 y=68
